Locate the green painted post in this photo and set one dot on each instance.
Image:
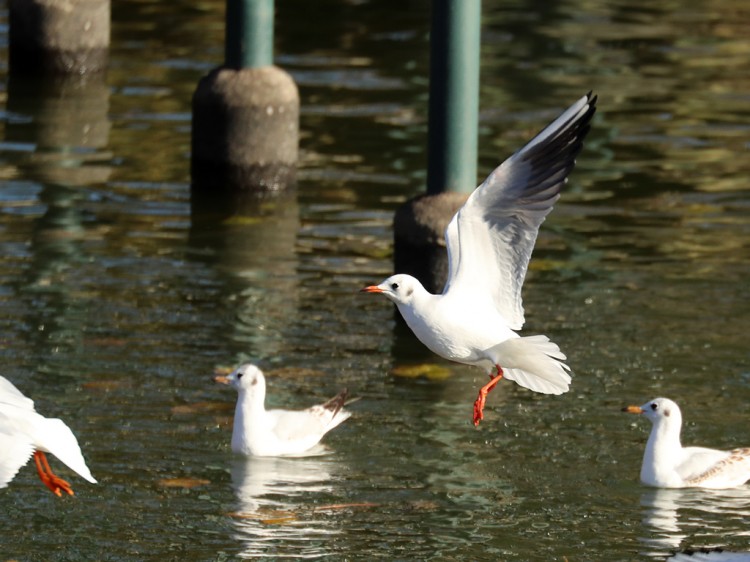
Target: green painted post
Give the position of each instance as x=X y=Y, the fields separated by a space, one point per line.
x=249 y=33
x=419 y=224
x=454 y=96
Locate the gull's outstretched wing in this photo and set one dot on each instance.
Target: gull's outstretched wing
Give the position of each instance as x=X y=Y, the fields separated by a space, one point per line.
x=491 y=238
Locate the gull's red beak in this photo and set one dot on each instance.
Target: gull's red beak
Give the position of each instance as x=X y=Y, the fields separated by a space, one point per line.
x=222 y=379
x=633 y=409
x=371 y=289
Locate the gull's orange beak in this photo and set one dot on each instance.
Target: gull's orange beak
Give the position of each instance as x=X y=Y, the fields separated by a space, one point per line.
x=222 y=379
x=633 y=409
x=371 y=289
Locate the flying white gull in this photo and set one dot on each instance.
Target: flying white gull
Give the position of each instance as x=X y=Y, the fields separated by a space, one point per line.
x=25 y=433
x=490 y=240
x=272 y=433
x=667 y=464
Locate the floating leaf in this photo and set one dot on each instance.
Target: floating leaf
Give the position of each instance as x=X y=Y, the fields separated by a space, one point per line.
x=295 y=372
x=430 y=371
x=183 y=482
x=337 y=506
x=105 y=385
x=202 y=407
x=267 y=516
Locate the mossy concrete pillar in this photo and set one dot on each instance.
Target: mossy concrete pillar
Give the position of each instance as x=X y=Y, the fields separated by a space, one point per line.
x=245 y=130
x=58 y=36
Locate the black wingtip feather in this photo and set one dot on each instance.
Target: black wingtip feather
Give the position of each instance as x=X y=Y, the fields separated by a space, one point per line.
x=337 y=402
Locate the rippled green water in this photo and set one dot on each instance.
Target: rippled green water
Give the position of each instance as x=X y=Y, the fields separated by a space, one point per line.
x=117 y=300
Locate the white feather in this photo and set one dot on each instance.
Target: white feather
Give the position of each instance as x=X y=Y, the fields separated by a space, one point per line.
x=23 y=430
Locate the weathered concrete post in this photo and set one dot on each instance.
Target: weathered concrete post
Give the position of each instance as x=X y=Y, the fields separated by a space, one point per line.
x=52 y=36
x=419 y=247
x=245 y=113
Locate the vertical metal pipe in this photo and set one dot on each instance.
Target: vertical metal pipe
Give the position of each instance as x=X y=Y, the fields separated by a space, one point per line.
x=249 y=33
x=454 y=96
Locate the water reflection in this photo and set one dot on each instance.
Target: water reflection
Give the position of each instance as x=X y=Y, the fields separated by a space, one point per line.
x=63 y=122
x=251 y=244
x=686 y=519
x=274 y=495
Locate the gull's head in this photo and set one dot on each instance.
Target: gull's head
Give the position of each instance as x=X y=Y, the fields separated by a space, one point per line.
x=658 y=410
x=400 y=288
x=246 y=377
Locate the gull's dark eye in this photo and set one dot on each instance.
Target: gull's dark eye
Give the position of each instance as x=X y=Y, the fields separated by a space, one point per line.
x=239 y=375
x=654 y=407
x=394 y=286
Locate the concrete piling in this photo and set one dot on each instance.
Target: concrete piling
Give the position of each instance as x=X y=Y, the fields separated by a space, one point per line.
x=246 y=113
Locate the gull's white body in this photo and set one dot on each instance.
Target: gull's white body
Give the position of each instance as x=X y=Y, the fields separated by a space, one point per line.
x=272 y=433
x=489 y=242
x=667 y=464
x=23 y=431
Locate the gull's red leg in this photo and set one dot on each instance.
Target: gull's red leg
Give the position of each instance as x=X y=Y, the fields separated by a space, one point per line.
x=49 y=478
x=482 y=397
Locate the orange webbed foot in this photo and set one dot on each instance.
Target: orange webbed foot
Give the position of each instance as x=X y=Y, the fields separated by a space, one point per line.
x=55 y=484
x=482 y=396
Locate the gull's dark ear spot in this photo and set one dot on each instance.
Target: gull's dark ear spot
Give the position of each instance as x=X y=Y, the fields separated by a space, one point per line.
x=409 y=291
x=667 y=412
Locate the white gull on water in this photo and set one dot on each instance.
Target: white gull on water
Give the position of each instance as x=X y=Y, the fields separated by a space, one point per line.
x=272 y=433
x=490 y=240
x=667 y=464
x=25 y=433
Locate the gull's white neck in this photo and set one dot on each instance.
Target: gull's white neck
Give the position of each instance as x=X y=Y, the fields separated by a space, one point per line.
x=415 y=311
x=248 y=416
x=663 y=451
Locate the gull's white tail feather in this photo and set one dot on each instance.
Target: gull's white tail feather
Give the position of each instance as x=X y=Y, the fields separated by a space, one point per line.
x=534 y=362
x=60 y=441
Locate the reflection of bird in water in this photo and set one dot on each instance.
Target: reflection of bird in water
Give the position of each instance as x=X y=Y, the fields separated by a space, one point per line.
x=667 y=464
x=274 y=497
x=269 y=433
x=490 y=240
x=678 y=518
x=278 y=482
x=25 y=433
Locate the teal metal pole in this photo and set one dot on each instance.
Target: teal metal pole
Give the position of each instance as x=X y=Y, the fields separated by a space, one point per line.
x=454 y=96
x=249 y=33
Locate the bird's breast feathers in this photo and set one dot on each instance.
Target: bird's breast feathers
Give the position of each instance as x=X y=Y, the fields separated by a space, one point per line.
x=458 y=333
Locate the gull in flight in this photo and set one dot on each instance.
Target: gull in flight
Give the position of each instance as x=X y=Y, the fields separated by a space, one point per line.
x=667 y=464
x=490 y=240
x=25 y=433
x=272 y=433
